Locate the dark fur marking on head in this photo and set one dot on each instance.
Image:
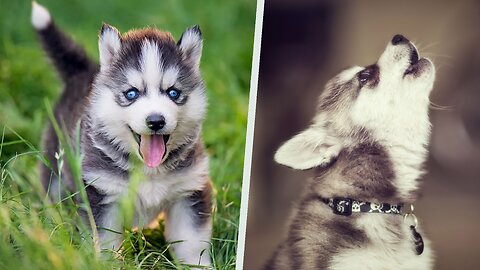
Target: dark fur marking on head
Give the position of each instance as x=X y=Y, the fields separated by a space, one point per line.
x=132 y=44
x=130 y=55
x=122 y=101
x=336 y=92
x=188 y=78
x=373 y=78
x=182 y=100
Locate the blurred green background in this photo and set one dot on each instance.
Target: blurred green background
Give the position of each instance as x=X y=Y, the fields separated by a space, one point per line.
x=27 y=79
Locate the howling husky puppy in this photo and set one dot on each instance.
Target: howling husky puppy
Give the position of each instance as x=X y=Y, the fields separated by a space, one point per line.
x=367 y=145
x=146 y=101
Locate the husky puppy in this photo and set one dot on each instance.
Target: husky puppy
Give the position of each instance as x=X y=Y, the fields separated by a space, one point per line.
x=367 y=144
x=145 y=101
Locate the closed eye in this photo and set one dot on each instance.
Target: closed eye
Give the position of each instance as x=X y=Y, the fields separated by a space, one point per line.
x=364 y=75
x=369 y=75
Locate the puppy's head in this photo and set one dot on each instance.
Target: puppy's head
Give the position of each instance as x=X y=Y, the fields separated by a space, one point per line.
x=149 y=96
x=386 y=102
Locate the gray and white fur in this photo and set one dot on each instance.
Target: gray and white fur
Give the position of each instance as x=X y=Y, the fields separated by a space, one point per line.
x=368 y=141
x=145 y=101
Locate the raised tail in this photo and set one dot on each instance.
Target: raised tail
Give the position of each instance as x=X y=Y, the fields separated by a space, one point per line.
x=77 y=72
x=67 y=56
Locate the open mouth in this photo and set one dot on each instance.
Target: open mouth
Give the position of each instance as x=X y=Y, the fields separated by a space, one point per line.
x=152 y=147
x=416 y=64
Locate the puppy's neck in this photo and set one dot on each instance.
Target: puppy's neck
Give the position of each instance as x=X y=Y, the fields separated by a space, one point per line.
x=408 y=166
x=369 y=172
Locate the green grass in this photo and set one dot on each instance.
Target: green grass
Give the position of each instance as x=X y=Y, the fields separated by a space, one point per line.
x=36 y=234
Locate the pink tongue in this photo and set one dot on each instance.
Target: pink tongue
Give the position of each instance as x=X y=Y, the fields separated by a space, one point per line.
x=152 y=148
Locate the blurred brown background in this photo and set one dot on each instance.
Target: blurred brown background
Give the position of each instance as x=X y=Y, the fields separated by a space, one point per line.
x=304 y=43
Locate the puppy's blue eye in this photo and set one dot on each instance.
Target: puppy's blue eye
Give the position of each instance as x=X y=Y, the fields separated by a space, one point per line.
x=173 y=93
x=131 y=94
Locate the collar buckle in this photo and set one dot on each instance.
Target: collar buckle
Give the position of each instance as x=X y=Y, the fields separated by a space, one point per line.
x=342 y=206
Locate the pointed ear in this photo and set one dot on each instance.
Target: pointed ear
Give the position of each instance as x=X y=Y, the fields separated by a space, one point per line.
x=311 y=148
x=108 y=44
x=191 y=44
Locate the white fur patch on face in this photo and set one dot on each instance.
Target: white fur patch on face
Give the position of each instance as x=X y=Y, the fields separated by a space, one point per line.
x=40 y=16
x=106 y=112
x=151 y=64
x=169 y=78
x=153 y=103
x=395 y=59
x=134 y=78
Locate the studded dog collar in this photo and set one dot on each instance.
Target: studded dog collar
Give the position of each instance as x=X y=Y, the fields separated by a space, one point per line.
x=346 y=206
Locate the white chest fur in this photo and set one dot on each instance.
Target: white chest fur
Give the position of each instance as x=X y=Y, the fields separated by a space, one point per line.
x=388 y=248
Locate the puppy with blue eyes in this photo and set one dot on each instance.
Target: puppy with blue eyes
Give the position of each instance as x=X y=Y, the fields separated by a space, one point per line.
x=145 y=101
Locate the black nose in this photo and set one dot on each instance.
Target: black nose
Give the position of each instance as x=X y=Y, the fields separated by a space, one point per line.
x=399 y=39
x=155 y=122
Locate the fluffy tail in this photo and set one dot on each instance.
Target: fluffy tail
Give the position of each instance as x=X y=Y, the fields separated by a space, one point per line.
x=77 y=72
x=68 y=57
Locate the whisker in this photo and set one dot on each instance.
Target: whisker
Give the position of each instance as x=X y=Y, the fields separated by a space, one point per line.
x=444 y=65
x=433 y=44
x=439 y=55
x=437 y=107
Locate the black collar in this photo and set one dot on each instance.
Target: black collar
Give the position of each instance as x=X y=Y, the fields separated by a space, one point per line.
x=346 y=206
